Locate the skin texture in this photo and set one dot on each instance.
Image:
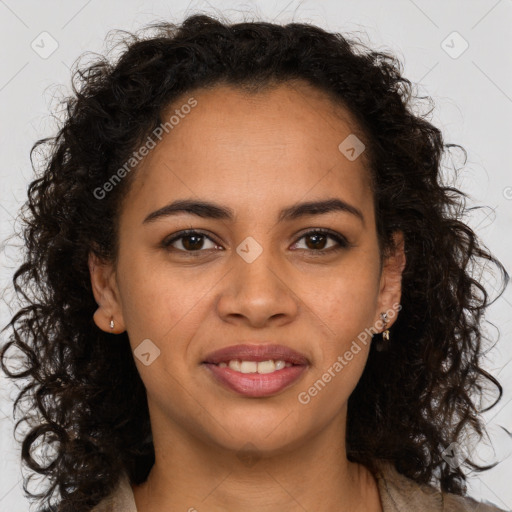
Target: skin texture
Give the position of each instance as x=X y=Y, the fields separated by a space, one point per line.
x=255 y=154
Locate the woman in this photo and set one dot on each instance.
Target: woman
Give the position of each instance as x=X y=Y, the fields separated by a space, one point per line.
x=252 y=290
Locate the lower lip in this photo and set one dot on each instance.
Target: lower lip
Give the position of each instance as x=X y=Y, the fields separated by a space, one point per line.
x=256 y=384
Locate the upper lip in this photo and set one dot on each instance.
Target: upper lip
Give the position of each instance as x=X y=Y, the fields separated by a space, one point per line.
x=256 y=352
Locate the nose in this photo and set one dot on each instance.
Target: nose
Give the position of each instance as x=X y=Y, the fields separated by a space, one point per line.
x=257 y=293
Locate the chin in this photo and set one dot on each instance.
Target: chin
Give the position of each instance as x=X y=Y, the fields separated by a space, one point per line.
x=261 y=438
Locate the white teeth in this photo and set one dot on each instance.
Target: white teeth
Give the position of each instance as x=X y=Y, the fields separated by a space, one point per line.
x=280 y=365
x=249 y=366
x=234 y=365
x=267 y=367
x=255 y=367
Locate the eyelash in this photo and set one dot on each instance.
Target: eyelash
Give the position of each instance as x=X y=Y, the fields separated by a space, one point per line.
x=340 y=239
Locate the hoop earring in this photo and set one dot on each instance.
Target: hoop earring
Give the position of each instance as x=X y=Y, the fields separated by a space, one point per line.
x=112 y=323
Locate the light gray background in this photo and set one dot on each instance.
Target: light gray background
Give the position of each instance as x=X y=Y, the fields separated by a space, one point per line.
x=472 y=94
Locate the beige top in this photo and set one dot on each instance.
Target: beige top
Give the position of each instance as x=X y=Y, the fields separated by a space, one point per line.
x=397 y=493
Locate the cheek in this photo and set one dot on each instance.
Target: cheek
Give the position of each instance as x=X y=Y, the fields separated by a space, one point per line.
x=161 y=304
x=344 y=299
x=345 y=311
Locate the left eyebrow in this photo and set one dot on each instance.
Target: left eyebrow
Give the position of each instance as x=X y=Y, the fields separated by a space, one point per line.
x=319 y=208
x=206 y=209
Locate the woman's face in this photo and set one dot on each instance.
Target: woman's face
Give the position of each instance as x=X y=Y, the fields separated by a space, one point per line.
x=256 y=276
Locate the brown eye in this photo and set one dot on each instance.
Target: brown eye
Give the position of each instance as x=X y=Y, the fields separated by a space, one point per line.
x=317 y=240
x=190 y=241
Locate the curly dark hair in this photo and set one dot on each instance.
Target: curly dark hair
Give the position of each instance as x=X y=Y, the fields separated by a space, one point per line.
x=413 y=399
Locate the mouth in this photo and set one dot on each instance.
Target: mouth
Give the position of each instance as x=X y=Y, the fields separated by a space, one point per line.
x=248 y=366
x=252 y=352
x=256 y=370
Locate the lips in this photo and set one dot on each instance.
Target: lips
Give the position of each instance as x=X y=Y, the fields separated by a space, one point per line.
x=254 y=385
x=256 y=352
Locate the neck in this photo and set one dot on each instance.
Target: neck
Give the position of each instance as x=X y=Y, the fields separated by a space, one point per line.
x=315 y=474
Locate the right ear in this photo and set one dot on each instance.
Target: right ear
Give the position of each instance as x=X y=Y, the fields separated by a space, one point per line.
x=106 y=294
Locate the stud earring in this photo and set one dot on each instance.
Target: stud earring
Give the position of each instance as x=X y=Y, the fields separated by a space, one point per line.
x=112 y=323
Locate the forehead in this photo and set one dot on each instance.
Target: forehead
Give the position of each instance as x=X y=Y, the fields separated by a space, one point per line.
x=279 y=144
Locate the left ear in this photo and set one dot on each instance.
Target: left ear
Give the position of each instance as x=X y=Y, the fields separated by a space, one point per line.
x=391 y=279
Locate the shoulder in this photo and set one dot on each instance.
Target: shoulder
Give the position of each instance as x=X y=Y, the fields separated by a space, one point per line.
x=401 y=494
x=121 y=500
x=398 y=494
